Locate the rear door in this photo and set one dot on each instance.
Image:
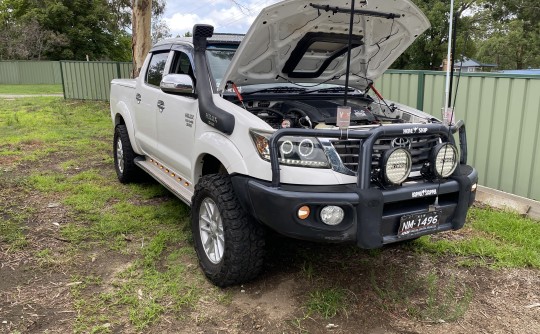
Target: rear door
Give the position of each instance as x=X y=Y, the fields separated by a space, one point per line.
x=146 y=97
x=176 y=119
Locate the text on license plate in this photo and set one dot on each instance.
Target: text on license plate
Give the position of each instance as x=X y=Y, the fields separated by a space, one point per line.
x=420 y=222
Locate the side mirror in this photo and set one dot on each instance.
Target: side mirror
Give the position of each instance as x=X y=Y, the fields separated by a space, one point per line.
x=180 y=84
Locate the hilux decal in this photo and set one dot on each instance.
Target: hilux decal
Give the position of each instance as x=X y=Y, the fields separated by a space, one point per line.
x=189 y=119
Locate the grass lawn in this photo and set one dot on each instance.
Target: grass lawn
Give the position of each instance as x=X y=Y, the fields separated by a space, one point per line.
x=30 y=89
x=131 y=266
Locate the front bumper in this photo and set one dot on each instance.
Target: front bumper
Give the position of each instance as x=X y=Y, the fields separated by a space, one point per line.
x=372 y=215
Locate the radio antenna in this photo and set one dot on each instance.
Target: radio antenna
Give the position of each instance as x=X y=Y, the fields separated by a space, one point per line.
x=448 y=58
x=351 y=23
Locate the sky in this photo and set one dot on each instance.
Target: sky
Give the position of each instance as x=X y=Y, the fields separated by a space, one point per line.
x=224 y=15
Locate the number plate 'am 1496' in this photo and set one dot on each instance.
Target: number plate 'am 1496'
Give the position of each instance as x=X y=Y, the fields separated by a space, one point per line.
x=418 y=223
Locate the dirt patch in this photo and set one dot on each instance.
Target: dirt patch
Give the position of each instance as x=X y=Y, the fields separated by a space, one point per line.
x=44 y=283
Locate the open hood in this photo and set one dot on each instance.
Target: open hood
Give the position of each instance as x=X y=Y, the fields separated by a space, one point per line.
x=305 y=41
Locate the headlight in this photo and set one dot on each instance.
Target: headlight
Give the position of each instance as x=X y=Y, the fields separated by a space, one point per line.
x=292 y=150
x=396 y=165
x=444 y=159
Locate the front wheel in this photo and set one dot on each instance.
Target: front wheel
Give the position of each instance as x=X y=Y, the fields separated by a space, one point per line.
x=229 y=244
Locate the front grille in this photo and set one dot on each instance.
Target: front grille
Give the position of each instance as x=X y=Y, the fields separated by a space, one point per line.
x=420 y=147
x=348 y=152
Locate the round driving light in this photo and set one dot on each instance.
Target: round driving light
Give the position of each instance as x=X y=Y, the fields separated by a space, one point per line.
x=303 y=212
x=287 y=147
x=396 y=165
x=332 y=215
x=306 y=147
x=444 y=159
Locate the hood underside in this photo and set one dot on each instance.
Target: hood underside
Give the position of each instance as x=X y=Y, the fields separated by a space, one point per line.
x=306 y=41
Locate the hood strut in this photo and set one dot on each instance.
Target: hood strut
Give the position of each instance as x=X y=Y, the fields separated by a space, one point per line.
x=352 y=12
x=373 y=13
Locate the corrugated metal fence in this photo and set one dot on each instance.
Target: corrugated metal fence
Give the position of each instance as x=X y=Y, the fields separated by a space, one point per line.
x=30 y=72
x=91 y=80
x=501 y=111
x=502 y=115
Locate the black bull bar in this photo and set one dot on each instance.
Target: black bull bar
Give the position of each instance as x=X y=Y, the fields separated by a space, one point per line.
x=369 y=137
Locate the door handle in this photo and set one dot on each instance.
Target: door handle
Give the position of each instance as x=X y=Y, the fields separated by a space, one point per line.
x=138 y=98
x=160 y=105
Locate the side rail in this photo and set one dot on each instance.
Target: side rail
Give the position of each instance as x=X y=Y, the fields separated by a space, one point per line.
x=368 y=137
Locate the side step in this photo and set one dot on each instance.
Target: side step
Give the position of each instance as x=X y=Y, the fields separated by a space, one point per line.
x=174 y=184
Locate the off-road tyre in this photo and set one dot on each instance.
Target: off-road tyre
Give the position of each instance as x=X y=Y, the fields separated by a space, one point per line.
x=243 y=254
x=130 y=172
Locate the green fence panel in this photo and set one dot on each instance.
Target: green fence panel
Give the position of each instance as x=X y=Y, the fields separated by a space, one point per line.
x=30 y=72
x=125 y=70
x=501 y=112
x=9 y=73
x=399 y=86
x=502 y=116
x=84 y=80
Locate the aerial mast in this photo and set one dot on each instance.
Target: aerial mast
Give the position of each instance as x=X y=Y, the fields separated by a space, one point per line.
x=446 y=108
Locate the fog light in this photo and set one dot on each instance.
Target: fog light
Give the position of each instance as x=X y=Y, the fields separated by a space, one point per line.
x=332 y=215
x=444 y=160
x=303 y=212
x=473 y=187
x=396 y=165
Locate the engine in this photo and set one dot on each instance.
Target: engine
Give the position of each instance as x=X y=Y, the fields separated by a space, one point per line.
x=307 y=114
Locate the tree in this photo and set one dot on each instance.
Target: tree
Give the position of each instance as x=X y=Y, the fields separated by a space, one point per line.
x=122 y=11
x=429 y=50
x=504 y=32
x=513 y=41
x=71 y=29
x=511 y=46
x=28 y=41
x=160 y=30
x=141 y=42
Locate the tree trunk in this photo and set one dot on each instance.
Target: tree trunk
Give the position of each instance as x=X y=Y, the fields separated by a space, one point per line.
x=141 y=38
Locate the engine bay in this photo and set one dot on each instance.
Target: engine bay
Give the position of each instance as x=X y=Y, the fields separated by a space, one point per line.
x=318 y=113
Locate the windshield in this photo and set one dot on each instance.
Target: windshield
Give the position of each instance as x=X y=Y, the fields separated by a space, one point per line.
x=219 y=57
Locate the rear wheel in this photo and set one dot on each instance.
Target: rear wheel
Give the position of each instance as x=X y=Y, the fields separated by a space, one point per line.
x=124 y=156
x=229 y=244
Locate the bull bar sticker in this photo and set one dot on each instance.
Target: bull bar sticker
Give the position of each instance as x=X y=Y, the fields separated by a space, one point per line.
x=414 y=130
x=424 y=192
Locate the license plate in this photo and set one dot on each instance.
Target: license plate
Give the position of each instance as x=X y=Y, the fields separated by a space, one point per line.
x=418 y=223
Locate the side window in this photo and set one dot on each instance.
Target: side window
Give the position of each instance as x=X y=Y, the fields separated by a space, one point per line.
x=155 y=68
x=182 y=65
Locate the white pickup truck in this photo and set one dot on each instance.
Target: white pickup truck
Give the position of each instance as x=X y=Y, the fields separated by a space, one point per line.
x=246 y=131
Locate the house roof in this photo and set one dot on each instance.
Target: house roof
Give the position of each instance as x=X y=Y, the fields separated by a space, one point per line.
x=472 y=63
x=524 y=72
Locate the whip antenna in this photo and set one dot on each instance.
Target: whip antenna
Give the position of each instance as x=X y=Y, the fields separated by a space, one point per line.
x=351 y=23
x=449 y=55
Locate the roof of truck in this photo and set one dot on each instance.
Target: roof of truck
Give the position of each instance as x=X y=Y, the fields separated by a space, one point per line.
x=216 y=38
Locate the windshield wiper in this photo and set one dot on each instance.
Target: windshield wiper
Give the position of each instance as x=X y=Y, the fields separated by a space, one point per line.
x=328 y=90
x=277 y=90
